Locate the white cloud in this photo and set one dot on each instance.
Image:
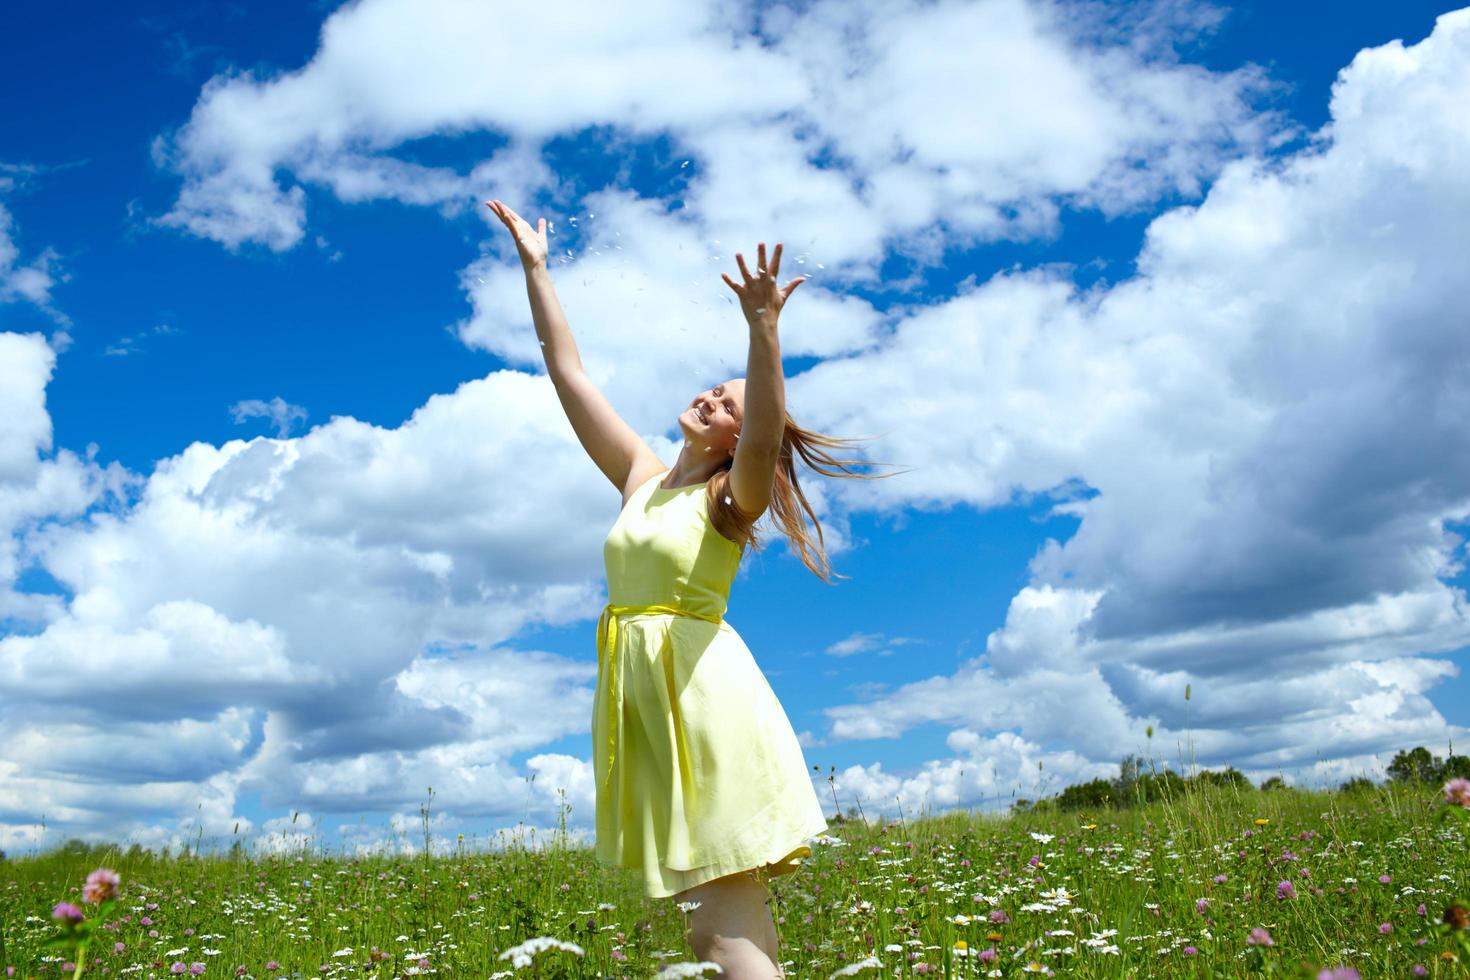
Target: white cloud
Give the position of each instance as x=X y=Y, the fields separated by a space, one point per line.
x=973 y=114
x=985 y=773
x=30 y=282
x=177 y=749
x=33 y=487
x=283 y=414
x=26 y=364
x=134 y=343
x=882 y=643
x=1268 y=417
x=183 y=653
x=315 y=620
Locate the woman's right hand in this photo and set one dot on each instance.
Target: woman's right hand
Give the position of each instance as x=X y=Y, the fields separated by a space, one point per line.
x=531 y=242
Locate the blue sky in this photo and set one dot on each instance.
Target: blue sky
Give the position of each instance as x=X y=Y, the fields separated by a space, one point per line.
x=193 y=240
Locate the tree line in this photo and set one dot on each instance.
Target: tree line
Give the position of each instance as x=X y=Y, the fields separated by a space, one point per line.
x=1133 y=785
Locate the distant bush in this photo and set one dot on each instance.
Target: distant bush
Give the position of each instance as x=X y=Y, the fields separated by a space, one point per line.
x=1231 y=777
x=1134 y=785
x=1166 y=784
x=1098 y=792
x=1417 y=765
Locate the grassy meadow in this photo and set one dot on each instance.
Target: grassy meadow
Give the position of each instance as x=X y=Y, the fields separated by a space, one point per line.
x=1219 y=882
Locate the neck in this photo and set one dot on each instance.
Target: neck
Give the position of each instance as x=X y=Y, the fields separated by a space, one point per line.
x=688 y=469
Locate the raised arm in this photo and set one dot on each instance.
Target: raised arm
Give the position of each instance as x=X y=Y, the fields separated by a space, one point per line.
x=754 y=471
x=619 y=452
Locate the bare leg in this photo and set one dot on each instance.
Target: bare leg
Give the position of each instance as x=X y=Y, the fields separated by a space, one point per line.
x=733 y=926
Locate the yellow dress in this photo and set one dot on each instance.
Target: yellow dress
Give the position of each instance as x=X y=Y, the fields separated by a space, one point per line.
x=698 y=771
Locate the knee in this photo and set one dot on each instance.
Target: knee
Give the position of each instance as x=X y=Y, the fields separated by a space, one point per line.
x=722 y=945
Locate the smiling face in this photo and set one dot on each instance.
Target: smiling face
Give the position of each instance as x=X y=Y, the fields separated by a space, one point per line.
x=714 y=417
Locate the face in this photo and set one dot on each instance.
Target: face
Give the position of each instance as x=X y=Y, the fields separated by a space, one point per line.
x=714 y=417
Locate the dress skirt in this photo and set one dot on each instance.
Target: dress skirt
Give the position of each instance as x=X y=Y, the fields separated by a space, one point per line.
x=699 y=773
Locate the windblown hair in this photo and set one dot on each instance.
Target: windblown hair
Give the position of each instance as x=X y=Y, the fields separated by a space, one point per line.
x=739 y=525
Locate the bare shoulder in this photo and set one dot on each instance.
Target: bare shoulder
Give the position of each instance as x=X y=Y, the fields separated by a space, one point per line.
x=640 y=473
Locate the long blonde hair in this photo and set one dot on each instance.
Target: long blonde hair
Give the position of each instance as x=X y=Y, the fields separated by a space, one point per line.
x=738 y=525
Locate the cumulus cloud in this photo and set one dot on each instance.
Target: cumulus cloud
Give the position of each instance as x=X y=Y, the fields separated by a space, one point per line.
x=35 y=485
x=1267 y=422
x=981 y=136
x=325 y=612
x=28 y=281
x=990 y=772
x=1258 y=434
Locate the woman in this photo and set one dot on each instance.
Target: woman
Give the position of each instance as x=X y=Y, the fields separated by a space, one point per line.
x=701 y=784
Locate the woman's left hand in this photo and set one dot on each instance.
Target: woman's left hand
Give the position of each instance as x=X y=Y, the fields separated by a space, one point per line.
x=760 y=298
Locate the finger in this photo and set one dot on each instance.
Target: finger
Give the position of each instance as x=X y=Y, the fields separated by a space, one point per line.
x=732 y=283
x=760 y=258
x=775 y=268
x=740 y=261
x=791 y=286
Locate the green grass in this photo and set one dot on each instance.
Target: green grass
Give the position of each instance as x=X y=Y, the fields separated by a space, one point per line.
x=893 y=891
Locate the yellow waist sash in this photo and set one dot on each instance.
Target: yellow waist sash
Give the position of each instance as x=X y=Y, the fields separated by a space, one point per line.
x=610 y=693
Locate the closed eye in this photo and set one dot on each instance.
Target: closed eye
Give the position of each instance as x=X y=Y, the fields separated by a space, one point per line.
x=729 y=405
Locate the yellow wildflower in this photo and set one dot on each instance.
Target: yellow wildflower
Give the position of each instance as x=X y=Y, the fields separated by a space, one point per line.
x=1261 y=821
x=961 y=944
x=994 y=937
